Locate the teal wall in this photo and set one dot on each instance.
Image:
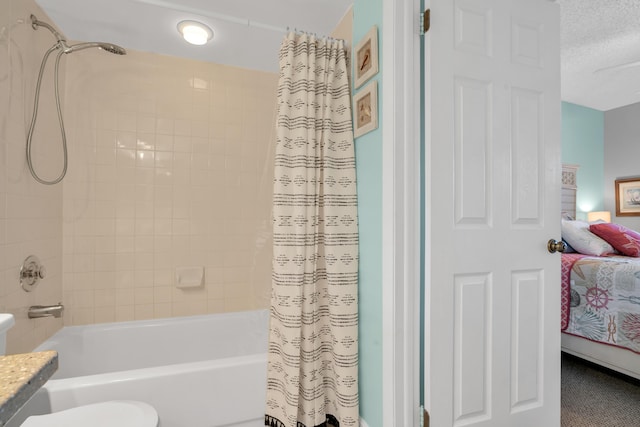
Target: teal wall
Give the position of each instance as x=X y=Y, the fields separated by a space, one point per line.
x=369 y=175
x=583 y=145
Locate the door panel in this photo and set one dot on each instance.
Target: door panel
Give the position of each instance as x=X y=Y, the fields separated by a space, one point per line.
x=527 y=147
x=492 y=355
x=472 y=366
x=473 y=154
x=526 y=338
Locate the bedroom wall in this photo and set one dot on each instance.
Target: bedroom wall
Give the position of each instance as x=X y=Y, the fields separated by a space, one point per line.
x=621 y=154
x=583 y=139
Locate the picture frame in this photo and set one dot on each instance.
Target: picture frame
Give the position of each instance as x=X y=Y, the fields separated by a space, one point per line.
x=365 y=109
x=628 y=197
x=366 y=57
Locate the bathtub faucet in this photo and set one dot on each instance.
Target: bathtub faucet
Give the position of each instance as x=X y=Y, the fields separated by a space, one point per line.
x=36 y=311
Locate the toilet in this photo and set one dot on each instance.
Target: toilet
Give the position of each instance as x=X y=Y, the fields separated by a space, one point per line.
x=115 y=413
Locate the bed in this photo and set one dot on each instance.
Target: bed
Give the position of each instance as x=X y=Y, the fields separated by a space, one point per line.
x=601 y=310
x=600 y=290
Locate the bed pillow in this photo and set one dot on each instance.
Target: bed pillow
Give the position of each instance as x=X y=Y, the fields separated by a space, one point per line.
x=624 y=240
x=569 y=249
x=577 y=234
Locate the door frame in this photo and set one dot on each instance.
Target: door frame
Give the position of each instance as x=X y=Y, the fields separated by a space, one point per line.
x=401 y=212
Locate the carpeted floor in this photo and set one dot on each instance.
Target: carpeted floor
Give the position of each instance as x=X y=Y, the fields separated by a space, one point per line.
x=595 y=397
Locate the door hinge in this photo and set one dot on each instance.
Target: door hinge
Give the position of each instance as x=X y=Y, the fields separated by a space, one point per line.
x=424 y=417
x=425 y=21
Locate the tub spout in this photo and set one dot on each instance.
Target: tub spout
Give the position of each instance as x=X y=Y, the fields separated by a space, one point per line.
x=36 y=311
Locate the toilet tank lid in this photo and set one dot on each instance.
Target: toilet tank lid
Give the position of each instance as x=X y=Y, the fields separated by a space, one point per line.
x=6 y=322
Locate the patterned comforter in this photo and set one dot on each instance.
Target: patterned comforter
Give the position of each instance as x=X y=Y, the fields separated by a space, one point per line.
x=601 y=299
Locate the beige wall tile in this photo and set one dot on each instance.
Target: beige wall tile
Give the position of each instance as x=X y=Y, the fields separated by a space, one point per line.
x=188 y=168
x=30 y=213
x=125 y=313
x=168 y=167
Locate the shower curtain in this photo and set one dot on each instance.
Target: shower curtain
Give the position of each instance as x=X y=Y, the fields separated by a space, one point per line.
x=313 y=344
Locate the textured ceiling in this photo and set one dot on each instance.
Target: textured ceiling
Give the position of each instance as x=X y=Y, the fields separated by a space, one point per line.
x=598 y=35
x=240 y=38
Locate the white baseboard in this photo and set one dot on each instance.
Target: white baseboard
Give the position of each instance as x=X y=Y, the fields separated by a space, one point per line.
x=363 y=423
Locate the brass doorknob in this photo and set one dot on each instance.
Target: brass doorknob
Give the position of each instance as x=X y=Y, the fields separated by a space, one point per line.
x=554 y=246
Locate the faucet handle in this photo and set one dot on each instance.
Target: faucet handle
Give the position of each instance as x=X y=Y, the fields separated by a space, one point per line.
x=31 y=272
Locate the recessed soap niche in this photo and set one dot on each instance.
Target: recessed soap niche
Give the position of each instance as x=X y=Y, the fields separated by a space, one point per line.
x=189 y=277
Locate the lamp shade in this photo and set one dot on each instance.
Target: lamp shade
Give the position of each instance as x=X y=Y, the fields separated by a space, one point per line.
x=603 y=216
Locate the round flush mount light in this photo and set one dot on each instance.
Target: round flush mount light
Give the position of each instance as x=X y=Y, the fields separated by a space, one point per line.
x=195 y=32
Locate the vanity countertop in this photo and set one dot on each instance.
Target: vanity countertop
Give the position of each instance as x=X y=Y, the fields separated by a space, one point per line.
x=21 y=375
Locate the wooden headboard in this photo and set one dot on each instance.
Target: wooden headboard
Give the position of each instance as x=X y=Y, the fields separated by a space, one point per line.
x=569 y=190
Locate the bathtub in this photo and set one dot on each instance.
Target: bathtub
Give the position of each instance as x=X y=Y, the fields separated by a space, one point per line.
x=200 y=371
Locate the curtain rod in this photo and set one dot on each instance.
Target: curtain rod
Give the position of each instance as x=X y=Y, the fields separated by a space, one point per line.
x=209 y=14
x=228 y=18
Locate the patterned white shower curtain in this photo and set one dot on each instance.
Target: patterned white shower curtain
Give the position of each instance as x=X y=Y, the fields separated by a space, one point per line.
x=313 y=344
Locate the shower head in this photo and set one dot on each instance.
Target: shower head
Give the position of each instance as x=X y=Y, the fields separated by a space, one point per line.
x=62 y=42
x=109 y=47
x=61 y=47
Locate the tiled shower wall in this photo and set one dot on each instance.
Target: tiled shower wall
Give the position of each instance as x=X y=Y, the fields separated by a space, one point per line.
x=30 y=213
x=170 y=166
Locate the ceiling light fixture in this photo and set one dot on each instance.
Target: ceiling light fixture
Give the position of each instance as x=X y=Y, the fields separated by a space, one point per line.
x=195 y=32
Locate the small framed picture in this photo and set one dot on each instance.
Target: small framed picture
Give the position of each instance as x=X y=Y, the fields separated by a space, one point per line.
x=366 y=57
x=628 y=197
x=365 y=108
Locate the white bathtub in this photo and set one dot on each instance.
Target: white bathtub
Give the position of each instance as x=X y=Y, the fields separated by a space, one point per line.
x=200 y=371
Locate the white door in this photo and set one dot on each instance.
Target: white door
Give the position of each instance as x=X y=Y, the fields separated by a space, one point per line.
x=492 y=317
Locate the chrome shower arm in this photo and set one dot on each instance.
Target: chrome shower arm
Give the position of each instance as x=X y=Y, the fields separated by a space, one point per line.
x=35 y=23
